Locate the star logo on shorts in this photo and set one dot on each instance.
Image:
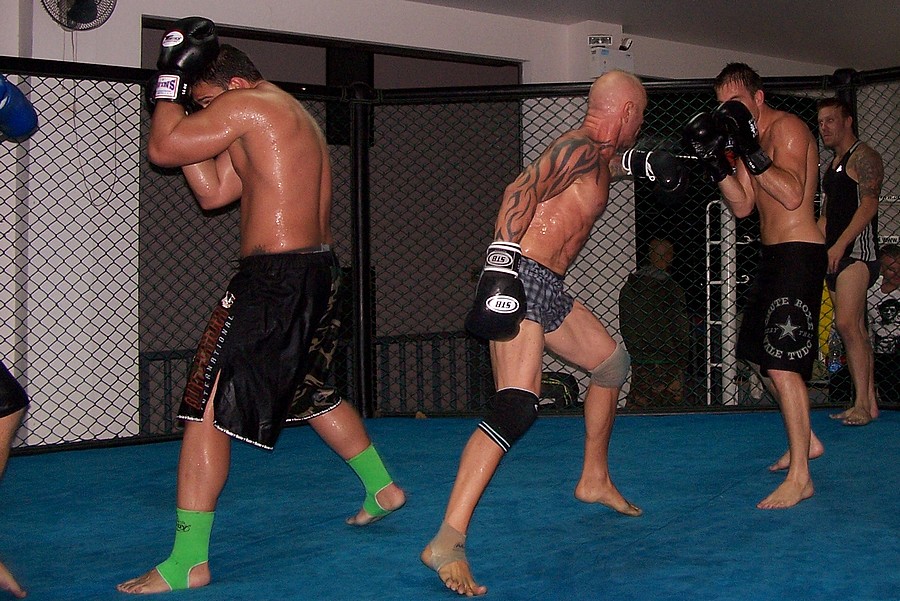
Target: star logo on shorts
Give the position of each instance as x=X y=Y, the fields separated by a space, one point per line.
x=787 y=329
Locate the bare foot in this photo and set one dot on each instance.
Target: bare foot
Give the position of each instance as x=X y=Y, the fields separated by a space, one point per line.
x=816 y=450
x=842 y=415
x=606 y=494
x=787 y=495
x=8 y=583
x=390 y=499
x=153 y=582
x=456 y=575
x=857 y=416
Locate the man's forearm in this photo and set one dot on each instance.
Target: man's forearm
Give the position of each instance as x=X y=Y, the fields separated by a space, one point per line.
x=782 y=186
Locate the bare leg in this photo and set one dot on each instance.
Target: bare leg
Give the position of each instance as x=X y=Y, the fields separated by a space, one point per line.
x=517 y=364
x=595 y=485
x=343 y=430
x=479 y=461
x=9 y=424
x=202 y=472
x=816 y=450
x=584 y=341
x=794 y=400
x=849 y=309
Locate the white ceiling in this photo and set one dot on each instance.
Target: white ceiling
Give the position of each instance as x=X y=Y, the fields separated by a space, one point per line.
x=861 y=34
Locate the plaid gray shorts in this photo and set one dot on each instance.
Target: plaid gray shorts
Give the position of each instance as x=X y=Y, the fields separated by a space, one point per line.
x=548 y=302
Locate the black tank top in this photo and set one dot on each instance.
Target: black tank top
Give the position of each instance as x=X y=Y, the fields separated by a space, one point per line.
x=841 y=202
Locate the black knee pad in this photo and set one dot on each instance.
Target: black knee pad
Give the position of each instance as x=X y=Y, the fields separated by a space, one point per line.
x=512 y=411
x=12 y=395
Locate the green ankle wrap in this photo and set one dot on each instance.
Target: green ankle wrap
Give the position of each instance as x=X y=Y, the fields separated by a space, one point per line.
x=192 y=529
x=374 y=476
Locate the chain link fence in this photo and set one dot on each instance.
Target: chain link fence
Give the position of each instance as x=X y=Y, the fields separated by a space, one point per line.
x=111 y=269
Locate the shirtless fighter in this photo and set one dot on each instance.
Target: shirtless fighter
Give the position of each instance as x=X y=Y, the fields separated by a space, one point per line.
x=254 y=143
x=545 y=218
x=777 y=176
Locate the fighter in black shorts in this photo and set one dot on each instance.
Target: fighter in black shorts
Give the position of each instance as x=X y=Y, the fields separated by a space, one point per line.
x=776 y=175
x=253 y=143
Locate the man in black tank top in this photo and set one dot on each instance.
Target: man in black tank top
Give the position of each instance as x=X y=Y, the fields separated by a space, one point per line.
x=849 y=219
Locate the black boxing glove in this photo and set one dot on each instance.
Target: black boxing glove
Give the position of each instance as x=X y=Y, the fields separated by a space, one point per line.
x=186 y=49
x=733 y=118
x=709 y=145
x=499 y=305
x=658 y=166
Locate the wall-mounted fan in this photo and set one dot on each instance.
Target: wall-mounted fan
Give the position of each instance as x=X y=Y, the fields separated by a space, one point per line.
x=79 y=15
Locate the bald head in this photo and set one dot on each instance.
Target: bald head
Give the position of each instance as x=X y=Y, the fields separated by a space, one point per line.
x=616 y=104
x=612 y=90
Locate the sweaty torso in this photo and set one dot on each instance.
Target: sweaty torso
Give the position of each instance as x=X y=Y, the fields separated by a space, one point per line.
x=562 y=224
x=778 y=223
x=283 y=165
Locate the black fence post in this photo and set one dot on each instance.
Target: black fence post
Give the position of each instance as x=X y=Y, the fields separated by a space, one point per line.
x=361 y=96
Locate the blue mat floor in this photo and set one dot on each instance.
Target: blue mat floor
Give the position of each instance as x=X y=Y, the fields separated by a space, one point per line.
x=76 y=523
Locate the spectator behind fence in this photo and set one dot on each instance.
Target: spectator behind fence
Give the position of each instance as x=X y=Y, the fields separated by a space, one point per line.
x=884 y=327
x=655 y=328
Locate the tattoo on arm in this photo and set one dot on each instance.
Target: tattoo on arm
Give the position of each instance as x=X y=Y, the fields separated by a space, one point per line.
x=870 y=173
x=551 y=174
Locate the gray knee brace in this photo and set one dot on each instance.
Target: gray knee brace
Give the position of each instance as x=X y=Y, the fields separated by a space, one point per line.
x=613 y=372
x=512 y=411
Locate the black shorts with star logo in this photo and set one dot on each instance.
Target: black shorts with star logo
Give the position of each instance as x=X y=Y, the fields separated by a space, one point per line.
x=781 y=321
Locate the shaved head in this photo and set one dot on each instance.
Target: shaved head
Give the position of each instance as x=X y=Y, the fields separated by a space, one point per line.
x=612 y=90
x=616 y=105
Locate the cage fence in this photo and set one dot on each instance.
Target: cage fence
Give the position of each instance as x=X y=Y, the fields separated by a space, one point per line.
x=111 y=269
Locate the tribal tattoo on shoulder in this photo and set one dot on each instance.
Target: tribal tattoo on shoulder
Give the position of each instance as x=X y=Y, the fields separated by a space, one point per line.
x=557 y=168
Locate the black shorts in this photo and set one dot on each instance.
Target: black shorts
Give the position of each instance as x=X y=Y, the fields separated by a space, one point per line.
x=12 y=395
x=258 y=343
x=874 y=268
x=313 y=398
x=547 y=301
x=780 y=325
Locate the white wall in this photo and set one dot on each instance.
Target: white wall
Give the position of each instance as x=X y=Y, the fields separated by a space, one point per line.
x=550 y=52
x=662 y=58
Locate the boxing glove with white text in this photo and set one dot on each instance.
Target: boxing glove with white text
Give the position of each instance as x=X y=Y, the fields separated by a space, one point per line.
x=499 y=297
x=186 y=49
